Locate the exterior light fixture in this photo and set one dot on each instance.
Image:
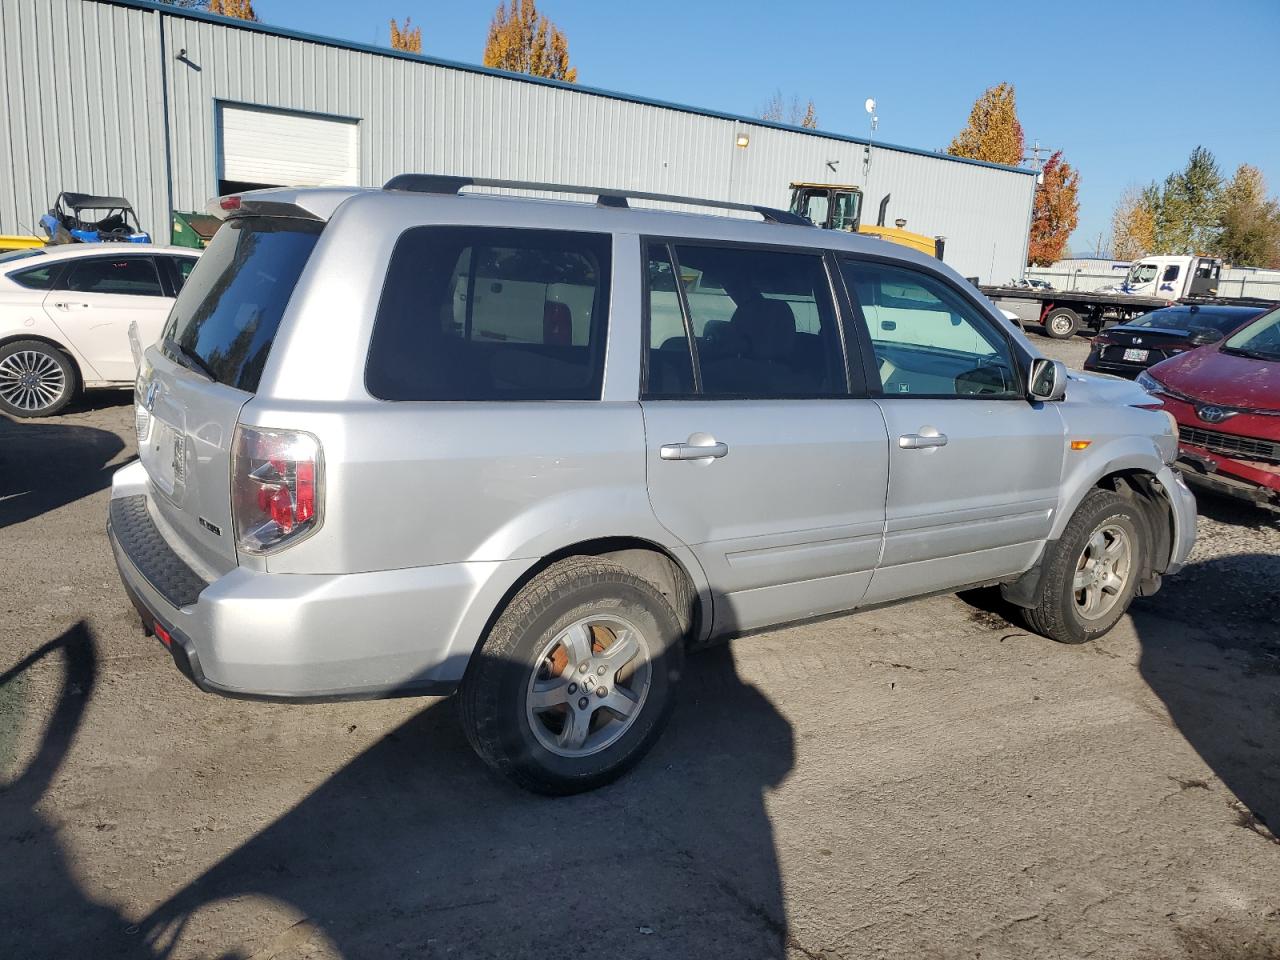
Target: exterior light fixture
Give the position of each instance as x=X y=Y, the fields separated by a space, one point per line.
x=743 y=139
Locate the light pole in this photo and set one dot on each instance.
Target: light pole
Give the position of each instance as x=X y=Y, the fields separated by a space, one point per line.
x=870 y=107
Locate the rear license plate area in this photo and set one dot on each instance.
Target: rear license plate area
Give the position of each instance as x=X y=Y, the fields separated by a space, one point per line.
x=1136 y=356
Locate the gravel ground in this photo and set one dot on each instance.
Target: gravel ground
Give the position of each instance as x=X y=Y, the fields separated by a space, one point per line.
x=926 y=780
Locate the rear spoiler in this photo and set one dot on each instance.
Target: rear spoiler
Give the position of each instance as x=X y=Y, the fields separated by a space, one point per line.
x=246 y=205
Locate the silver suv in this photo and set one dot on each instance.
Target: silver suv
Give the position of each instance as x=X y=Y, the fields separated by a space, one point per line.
x=411 y=441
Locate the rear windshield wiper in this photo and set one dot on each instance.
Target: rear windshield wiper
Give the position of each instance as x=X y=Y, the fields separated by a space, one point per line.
x=193 y=360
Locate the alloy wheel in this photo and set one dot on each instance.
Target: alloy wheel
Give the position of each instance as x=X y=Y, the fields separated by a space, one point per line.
x=31 y=380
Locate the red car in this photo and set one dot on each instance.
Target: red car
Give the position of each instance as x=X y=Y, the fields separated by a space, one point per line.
x=1226 y=399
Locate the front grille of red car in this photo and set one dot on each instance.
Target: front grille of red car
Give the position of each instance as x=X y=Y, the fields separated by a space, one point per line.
x=1228 y=443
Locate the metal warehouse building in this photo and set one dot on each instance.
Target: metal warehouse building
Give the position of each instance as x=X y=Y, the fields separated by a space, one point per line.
x=170 y=107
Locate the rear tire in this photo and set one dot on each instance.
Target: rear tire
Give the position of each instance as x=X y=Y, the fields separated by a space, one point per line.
x=36 y=379
x=531 y=701
x=1092 y=572
x=1062 y=323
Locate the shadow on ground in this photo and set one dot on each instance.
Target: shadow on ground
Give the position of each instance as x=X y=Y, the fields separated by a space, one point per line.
x=45 y=464
x=1227 y=706
x=414 y=849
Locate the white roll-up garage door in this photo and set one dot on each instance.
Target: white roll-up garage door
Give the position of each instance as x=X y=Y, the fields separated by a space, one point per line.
x=287 y=149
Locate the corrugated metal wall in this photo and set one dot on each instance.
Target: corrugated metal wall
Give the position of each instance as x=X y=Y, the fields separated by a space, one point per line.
x=423 y=117
x=83 y=109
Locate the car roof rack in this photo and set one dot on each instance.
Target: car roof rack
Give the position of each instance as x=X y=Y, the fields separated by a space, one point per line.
x=446 y=185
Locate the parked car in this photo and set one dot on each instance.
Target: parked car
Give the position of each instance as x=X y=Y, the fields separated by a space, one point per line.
x=1226 y=399
x=413 y=441
x=65 y=314
x=1129 y=348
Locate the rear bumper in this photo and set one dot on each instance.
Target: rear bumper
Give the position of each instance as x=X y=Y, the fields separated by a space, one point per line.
x=308 y=637
x=1127 y=370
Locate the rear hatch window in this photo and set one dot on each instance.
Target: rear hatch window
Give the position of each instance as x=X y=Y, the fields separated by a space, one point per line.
x=226 y=317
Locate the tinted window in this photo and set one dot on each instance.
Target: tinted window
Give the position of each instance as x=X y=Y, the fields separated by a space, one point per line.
x=670 y=371
x=928 y=340
x=762 y=321
x=1181 y=318
x=182 y=267
x=230 y=308
x=133 y=276
x=1170 y=273
x=487 y=314
x=40 y=278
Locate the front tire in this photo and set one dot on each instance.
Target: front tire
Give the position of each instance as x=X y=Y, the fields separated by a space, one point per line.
x=36 y=379
x=1092 y=572
x=575 y=681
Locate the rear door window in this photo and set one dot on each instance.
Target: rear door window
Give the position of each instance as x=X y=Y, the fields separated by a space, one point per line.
x=126 y=276
x=763 y=323
x=492 y=314
x=226 y=317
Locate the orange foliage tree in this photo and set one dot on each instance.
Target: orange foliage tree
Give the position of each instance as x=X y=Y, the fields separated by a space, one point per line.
x=240 y=9
x=524 y=41
x=407 y=38
x=1055 y=213
x=993 y=132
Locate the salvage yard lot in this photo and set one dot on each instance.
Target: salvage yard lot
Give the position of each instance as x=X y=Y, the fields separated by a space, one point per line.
x=926 y=780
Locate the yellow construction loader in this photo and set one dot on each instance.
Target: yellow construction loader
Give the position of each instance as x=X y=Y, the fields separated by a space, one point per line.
x=838 y=206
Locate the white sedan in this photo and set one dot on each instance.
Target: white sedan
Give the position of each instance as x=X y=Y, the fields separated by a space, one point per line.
x=65 y=313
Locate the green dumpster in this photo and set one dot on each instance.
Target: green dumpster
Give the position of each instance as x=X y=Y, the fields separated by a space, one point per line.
x=193 y=229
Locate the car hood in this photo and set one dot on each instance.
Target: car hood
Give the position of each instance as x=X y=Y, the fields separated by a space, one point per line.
x=1223 y=379
x=1105 y=389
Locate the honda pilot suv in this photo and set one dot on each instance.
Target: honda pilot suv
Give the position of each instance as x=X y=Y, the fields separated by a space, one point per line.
x=417 y=440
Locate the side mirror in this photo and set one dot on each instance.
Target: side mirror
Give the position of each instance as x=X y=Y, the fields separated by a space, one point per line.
x=1203 y=335
x=1048 y=380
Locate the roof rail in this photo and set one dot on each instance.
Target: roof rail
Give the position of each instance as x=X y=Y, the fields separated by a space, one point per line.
x=445 y=185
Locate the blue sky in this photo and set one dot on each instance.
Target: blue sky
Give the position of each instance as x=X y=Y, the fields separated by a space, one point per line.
x=1125 y=88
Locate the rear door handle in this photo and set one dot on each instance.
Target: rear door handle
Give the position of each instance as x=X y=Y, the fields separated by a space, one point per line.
x=922 y=440
x=693 y=451
x=64 y=305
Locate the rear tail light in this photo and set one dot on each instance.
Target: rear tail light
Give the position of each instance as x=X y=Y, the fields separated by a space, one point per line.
x=277 y=487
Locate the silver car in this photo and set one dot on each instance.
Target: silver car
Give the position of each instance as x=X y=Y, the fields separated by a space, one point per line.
x=415 y=440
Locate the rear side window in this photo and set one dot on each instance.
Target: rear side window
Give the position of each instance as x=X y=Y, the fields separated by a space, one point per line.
x=227 y=315
x=41 y=278
x=491 y=314
x=126 y=276
x=762 y=321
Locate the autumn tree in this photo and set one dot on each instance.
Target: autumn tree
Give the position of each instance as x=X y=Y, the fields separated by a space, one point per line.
x=993 y=132
x=778 y=110
x=240 y=9
x=524 y=41
x=1249 y=223
x=1133 y=223
x=407 y=38
x=1054 y=213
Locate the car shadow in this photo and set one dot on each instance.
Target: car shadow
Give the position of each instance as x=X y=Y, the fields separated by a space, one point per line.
x=1212 y=655
x=415 y=849
x=45 y=465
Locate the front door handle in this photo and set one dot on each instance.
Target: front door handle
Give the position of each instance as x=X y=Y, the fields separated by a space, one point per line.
x=693 y=451
x=927 y=437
